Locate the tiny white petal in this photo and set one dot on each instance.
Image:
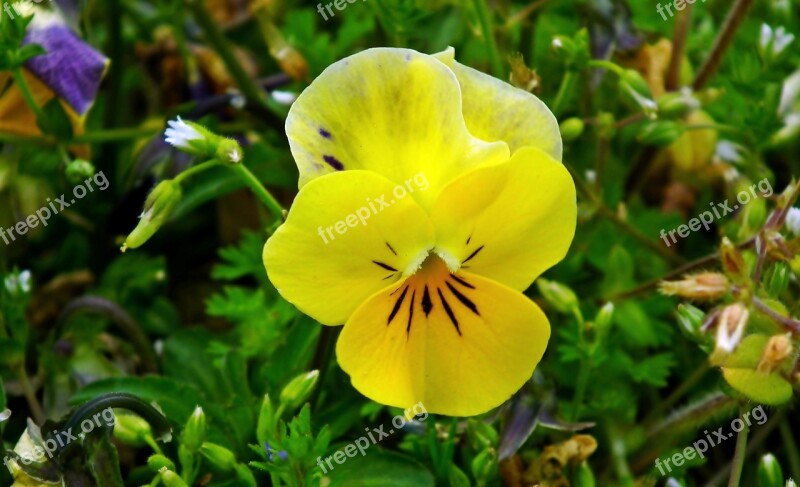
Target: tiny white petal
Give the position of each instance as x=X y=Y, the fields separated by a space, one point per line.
x=793 y=221
x=180 y=133
x=284 y=97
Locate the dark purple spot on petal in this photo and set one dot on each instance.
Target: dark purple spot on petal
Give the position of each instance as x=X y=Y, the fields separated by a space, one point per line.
x=333 y=162
x=324 y=133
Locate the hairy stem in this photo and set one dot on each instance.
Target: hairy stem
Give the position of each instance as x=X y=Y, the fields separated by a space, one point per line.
x=739 y=454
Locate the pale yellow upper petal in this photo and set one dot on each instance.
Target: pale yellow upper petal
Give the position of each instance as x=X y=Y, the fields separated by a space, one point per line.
x=392 y=111
x=495 y=110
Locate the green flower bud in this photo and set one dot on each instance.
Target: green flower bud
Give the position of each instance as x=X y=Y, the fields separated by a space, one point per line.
x=584 y=477
x=769 y=472
x=660 y=133
x=266 y=421
x=635 y=89
x=229 y=151
x=560 y=296
x=484 y=463
x=298 y=389
x=219 y=456
x=606 y=125
x=732 y=260
x=131 y=429
x=571 y=129
x=791 y=483
x=483 y=435
x=195 y=431
x=157 y=208
x=690 y=321
x=245 y=476
x=157 y=462
x=676 y=105
x=79 y=170
x=778 y=279
x=603 y=319
x=636 y=81
x=171 y=479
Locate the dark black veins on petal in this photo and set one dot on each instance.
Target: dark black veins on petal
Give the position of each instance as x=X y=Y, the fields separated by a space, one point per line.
x=333 y=162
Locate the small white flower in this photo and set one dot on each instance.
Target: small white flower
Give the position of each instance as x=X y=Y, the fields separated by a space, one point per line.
x=774 y=42
x=793 y=221
x=180 y=133
x=782 y=40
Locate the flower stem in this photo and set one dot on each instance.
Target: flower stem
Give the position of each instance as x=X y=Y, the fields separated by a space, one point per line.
x=488 y=35
x=27 y=95
x=567 y=84
x=196 y=169
x=114 y=135
x=739 y=454
x=735 y=17
x=678 y=48
x=258 y=189
x=791 y=448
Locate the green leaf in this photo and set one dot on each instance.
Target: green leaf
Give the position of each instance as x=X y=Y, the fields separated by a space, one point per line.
x=654 y=370
x=380 y=469
x=243 y=259
x=769 y=389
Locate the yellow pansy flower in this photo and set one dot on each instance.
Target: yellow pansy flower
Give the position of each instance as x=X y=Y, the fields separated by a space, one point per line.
x=431 y=195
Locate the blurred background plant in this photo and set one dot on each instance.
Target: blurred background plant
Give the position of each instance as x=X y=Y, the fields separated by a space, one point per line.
x=660 y=118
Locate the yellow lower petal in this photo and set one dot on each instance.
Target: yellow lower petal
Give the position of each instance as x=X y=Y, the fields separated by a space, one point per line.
x=508 y=222
x=347 y=236
x=460 y=344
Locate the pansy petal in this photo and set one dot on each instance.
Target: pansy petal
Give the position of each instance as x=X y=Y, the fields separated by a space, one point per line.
x=495 y=110
x=393 y=111
x=17 y=118
x=509 y=222
x=71 y=68
x=346 y=237
x=460 y=344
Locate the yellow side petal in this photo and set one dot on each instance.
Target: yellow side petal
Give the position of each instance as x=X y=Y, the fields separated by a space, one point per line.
x=17 y=118
x=495 y=110
x=460 y=344
x=346 y=237
x=508 y=222
x=393 y=111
